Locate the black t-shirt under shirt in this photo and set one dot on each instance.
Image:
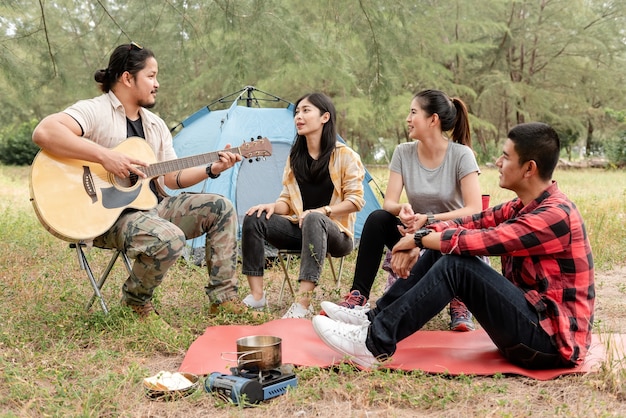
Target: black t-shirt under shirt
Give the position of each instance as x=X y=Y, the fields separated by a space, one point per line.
x=316 y=194
x=135 y=128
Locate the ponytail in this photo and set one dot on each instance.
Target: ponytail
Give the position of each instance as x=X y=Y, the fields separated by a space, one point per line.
x=461 y=132
x=452 y=114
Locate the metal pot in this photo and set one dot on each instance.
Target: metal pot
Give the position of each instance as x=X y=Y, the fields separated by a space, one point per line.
x=257 y=353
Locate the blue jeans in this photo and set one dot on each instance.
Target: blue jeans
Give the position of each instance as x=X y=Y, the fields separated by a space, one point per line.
x=499 y=306
x=318 y=236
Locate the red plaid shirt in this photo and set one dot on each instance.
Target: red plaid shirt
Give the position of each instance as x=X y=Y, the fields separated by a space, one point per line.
x=546 y=253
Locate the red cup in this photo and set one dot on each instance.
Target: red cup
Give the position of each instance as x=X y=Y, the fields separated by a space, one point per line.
x=486 y=198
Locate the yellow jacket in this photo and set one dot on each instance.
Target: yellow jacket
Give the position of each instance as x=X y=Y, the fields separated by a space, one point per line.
x=346 y=172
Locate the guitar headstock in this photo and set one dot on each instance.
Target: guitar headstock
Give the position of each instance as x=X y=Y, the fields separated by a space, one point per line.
x=256 y=148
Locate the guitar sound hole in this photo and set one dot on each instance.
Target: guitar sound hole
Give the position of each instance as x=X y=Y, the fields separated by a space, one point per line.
x=127 y=182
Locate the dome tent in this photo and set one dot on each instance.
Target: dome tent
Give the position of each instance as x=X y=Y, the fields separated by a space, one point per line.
x=257 y=180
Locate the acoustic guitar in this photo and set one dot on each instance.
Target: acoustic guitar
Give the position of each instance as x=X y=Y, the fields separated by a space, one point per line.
x=78 y=200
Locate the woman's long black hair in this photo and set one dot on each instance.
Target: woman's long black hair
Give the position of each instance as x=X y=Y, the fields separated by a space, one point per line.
x=299 y=152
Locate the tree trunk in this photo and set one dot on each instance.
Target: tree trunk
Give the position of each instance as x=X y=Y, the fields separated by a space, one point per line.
x=589 y=137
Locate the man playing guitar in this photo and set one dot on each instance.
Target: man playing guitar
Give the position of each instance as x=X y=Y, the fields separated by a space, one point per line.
x=153 y=236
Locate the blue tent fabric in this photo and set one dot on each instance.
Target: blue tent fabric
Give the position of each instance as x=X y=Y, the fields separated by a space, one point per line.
x=250 y=182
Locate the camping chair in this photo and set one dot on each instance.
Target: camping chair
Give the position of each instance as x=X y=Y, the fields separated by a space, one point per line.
x=97 y=286
x=285 y=257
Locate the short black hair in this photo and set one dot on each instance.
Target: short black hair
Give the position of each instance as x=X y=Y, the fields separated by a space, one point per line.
x=538 y=142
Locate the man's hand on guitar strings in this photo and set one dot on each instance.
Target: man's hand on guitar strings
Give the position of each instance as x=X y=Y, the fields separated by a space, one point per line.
x=226 y=161
x=122 y=165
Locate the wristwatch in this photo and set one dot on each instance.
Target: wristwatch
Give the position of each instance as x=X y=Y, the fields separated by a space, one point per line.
x=430 y=219
x=209 y=173
x=419 y=234
x=328 y=210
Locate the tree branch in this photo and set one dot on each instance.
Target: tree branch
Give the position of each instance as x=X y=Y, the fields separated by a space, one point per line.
x=45 y=31
x=375 y=41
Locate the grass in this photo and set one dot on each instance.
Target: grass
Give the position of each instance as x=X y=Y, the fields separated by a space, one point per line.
x=56 y=359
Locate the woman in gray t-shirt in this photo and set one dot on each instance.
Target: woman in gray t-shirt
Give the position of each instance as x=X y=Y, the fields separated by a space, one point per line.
x=440 y=178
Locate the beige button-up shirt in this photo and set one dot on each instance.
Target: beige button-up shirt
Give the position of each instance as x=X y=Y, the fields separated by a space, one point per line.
x=103 y=121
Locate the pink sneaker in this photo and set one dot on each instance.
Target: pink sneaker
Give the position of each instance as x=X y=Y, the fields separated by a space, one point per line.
x=460 y=317
x=352 y=300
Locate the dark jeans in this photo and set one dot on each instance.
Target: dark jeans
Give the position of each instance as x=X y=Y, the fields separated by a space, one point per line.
x=500 y=307
x=380 y=231
x=319 y=235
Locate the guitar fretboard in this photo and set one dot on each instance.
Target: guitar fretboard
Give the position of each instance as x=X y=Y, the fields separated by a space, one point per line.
x=164 y=167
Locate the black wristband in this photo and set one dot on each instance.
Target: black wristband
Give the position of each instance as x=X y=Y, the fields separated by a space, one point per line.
x=178 y=180
x=419 y=234
x=210 y=174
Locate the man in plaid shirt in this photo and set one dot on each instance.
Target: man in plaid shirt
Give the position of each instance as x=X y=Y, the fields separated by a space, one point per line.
x=538 y=312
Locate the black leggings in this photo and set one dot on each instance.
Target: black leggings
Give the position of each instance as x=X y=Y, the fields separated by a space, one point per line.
x=380 y=231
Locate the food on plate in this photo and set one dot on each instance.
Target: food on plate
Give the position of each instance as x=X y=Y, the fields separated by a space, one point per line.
x=167 y=381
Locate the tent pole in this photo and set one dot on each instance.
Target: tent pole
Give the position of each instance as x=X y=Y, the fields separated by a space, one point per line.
x=249 y=100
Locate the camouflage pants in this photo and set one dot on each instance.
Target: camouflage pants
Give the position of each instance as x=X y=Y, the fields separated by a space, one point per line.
x=156 y=238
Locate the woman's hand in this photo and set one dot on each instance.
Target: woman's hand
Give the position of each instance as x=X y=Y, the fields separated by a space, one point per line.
x=406 y=214
x=419 y=221
x=258 y=209
x=411 y=221
x=305 y=213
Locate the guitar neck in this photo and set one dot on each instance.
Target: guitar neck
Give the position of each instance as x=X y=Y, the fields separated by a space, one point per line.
x=164 y=167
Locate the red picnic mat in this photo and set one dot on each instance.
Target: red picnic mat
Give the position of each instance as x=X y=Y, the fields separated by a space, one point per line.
x=455 y=353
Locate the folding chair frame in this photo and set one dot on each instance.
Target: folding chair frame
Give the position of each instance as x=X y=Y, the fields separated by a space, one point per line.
x=285 y=257
x=97 y=286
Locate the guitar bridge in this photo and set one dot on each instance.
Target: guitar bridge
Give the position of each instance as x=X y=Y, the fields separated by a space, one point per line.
x=89 y=185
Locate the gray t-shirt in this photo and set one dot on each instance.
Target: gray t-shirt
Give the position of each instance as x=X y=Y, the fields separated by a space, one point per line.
x=434 y=190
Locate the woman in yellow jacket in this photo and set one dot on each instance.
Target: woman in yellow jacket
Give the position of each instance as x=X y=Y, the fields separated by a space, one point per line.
x=322 y=191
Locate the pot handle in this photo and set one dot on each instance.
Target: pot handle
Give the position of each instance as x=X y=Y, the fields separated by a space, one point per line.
x=240 y=355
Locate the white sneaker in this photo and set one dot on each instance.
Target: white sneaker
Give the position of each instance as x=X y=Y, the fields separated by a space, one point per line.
x=250 y=302
x=296 y=310
x=346 y=315
x=346 y=339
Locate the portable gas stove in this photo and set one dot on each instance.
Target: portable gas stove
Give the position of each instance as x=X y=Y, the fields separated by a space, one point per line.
x=251 y=387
